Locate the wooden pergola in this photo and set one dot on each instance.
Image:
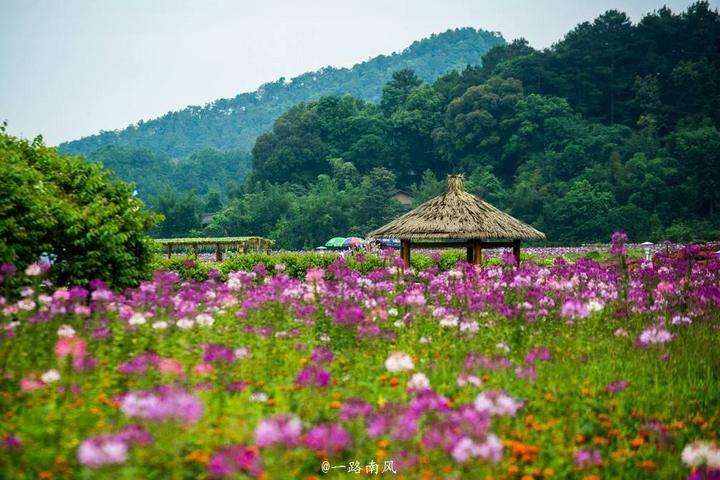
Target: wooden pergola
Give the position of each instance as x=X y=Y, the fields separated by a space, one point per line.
x=457 y=219
x=220 y=244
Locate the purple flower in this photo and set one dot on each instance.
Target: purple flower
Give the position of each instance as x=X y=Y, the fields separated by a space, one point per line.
x=619 y=239
x=235 y=459
x=354 y=407
x=321 y=355
x=330 y=438
x=617 y=386
x=217 y=353
x=588 y=458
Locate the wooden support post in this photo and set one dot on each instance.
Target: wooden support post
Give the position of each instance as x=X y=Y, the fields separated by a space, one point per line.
x=477 y=253
x=405 y=251
x=169 y=250
x=516 y=251
x=218 y=252
x=471 y=251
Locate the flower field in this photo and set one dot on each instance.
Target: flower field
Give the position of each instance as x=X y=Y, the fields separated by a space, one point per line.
x=567 y=370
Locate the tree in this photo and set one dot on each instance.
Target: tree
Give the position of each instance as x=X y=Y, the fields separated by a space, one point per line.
x=397 y=90
x=71 y=211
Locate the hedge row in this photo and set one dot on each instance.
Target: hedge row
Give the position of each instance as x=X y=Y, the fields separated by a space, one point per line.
x=297 y=263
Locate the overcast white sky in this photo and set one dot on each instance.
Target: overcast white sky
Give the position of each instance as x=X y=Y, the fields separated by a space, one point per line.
x=70 y=68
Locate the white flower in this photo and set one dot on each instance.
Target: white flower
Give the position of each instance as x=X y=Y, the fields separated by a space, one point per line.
x=204 y=320
x=502 y=346
x=465 y=379
x=33 y=270
x=259 y=397
x=26 y=304
x=185 y=323
x=681 y=320
x=621 y=332
x=594 y=306
x=137 y=319
x=454 y=274
x=242 y=352
x=418 y=381
x=470 y=326
x=51 y=376
x=160 y=325
x=324 y=337
x=449 y=321
x=497 y=403
x=393 y=312
x=66 y=331
x=656 y=334
x=399 y=362
x=425 y=340
x=701 y=453
x=398 y=324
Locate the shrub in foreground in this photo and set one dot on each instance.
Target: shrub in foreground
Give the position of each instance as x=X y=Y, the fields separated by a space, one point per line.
x=87 y=224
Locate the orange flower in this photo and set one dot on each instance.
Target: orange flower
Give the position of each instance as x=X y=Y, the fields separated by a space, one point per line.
x=394 y=382
x=648 y=465
x=548 y=472
x=579 y=438
x=637 y=442
x=335 y=404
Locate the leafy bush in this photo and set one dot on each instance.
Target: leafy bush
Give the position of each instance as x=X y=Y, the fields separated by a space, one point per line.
x=70 y=211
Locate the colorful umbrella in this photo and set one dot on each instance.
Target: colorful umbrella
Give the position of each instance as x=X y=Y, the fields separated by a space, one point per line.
x=335 y=242
x=352 y=242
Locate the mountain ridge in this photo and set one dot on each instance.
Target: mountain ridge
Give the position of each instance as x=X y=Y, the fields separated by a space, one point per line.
x=235 y=123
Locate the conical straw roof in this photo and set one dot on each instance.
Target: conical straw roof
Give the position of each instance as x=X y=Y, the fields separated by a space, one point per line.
x=457 y=214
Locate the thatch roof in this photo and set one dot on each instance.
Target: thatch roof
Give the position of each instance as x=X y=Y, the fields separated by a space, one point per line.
x=457 y=214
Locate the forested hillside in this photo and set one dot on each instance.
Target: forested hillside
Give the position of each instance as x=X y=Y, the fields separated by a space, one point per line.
x=615 y=126
x=153 y=172
x=234 y=123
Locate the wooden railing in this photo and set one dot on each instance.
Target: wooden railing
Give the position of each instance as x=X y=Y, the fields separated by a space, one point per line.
x=220 y=244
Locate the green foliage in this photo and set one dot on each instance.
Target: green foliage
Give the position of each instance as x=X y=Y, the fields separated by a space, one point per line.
x=71 y=211
x=576 y=140
x=154 y=172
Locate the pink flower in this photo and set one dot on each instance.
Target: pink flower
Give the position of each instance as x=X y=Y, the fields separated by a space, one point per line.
x=102 y=450
x=203 y=369
x=163 y=403
x=314 y=275
x=70 y=346
x=28 y=384
x=170 y=366
x=281 y=429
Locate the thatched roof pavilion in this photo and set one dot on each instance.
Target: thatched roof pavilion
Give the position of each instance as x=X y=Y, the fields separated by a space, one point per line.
x=457 y=218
